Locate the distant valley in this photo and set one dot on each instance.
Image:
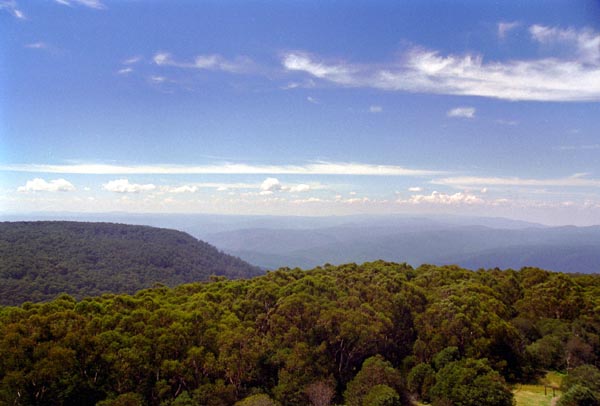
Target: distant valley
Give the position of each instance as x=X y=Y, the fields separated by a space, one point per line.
x=271 y=242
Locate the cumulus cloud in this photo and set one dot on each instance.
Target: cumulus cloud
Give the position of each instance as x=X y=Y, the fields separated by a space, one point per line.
x=299 y=188
x=421 y=70
x=40 y=185
x=415 y=189
x=271 y=185
x=184 y=189
x=214 y=62
x=462 y=112
x=444 y=199
x=123 y=186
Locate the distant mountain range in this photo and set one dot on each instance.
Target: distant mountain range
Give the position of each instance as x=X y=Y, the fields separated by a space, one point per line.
x=565 y=249
x=472 y=242
x=39 y=260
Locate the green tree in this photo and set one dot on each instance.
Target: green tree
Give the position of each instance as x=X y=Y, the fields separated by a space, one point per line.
x=579 y=395
x=381 y=395
x=420 y=381
x=470 y=382
x=375 y=371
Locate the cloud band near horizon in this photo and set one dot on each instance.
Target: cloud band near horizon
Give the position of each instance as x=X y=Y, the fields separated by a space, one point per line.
x=317 y=168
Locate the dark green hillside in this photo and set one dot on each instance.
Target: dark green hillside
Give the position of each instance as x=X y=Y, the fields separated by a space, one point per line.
x=39 y=260
x=373 y=334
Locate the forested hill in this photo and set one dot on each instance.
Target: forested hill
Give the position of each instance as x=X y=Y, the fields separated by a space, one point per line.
x=373 y=334
x=39 y=260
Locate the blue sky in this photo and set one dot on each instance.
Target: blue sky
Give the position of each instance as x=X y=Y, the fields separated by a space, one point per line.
x=309 y=108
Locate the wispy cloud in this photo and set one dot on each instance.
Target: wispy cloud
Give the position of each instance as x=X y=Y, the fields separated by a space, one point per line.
x=37 y=45
x=507 y=122
x=576 y=180
x=576 y=78
x=11 y=7
x=96 y=4
x=375 y=109
x=132 y=60
x=586 y=42
x=123 y=186
x=461 y=112
x=41 y=185
x=505 y=27
x=125 y=71
x=312 y=100
x=587 y=147
x=213 y=62
x=318 y=168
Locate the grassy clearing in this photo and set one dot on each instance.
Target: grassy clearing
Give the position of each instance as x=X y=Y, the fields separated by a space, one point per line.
x=535 y=395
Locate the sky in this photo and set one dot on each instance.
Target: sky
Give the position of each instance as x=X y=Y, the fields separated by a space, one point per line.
x=301 y=108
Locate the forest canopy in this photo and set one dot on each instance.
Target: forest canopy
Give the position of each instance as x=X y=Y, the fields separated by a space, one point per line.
x=378 y=333
x=39 y=260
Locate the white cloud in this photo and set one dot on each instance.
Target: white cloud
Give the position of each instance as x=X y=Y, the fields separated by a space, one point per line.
x=415 y=189
x=157 y=79
x=97 y=4
x=356 y=200
x=429 y=71
x=462 y=112
x=184 y=189
x=40 y=185
x=444 y=199
x=505 y=27
x=271 y=185
x=318 y=168
x=375 y=109
x=125 y=71
x=123 y=186
x=11 y=7
x=299 y=188
x=585 y=147
x=37 y=45
x=586 y=42
x=576 y=180
x=309 y=200
x=312 y=100
x=132 y=60
x=214 y=62
x=507 y=122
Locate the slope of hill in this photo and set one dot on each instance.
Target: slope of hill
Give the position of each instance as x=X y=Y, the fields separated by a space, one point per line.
x=39 y=260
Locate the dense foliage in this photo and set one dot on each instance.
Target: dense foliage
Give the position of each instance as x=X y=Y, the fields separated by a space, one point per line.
x=39 y=260
x=378 y=333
